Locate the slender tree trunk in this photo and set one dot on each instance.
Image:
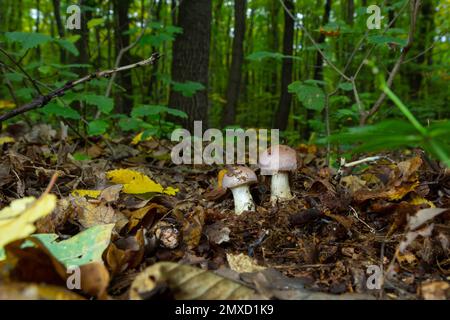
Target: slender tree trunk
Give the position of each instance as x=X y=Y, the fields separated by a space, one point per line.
x=425 y=28
x=60 y=27
x=318 y=67
x=284 y=104
x=124 y=101
x=191 y=59
x=235 y=74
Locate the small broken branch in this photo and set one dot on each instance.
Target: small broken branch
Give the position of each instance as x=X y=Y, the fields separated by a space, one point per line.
x=43 y=100
x=415 y=4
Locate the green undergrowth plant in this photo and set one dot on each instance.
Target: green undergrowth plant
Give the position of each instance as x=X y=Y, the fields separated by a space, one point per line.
x=393 y=134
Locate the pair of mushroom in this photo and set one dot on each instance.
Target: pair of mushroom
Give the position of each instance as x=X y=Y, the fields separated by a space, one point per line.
x=277 y=161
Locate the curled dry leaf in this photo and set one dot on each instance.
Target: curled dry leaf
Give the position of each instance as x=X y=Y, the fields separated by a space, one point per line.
x=187 y=283
x=242 y=263
x=111 y=194
x=32 y=291
x=218 y=233
x=423 y=216
x=435 y=290
x=17 y=220
x=90 y=214
x=126 y=253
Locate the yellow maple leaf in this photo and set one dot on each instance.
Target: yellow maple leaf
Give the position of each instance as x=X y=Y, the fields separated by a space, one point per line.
x=135 y=182
x=17 y=220
x=90 y=193
x=4 y=140
x=138 y=138
x=5 y=104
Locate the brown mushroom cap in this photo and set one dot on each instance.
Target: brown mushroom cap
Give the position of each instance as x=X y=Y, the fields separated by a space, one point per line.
x=238 y=176
x=278 y=158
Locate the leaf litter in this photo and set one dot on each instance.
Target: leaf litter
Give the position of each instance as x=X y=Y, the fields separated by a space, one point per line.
x=137 y=226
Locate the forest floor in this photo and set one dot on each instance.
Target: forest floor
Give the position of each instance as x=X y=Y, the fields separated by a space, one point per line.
x=326 y=243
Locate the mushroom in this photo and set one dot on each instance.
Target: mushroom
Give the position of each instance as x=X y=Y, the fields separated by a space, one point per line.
x=238 y=180
x=277 y=161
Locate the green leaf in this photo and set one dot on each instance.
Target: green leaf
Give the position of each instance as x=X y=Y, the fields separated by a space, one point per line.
x=260 y=55
x=79 y=156
x=311 y=96
x=28 y=40
x=151 y=110
x=104 y=104
x=97 y=127
x=188 y=88
x=346 y=86
x=377 y=39
x=156 y=40
x=177 y=113
x=69 y=46
x=14 y=76
x=95 y=22
x=83 y=248
x=130 y=124
x=53 y=108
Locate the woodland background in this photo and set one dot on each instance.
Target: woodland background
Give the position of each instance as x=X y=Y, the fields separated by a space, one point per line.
x=228 y=63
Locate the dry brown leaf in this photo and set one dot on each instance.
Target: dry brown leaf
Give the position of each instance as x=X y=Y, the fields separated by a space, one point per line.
x=90 y=214
x=242 y=263
x=187 y=283
x=32 y=291
x=111 y=194
x=435 y=290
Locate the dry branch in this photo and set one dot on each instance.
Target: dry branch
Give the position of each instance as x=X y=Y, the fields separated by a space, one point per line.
x=43 y=100
x=415 y=4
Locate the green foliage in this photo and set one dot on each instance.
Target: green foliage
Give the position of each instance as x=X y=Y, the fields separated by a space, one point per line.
x=54 y=108
x=309 y=94
x=188 y=88
x=260 y=55
x=97 y=127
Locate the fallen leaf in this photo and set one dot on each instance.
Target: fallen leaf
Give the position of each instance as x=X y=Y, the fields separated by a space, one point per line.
x=242 y=263
x=6 y=139
x=435 y=290
x=83 y=248
x=90 y=214
x=32 y=291
x=423 y=216
x=135 y=182
x=17 y=220
x=187 y=283
x=218 y=233
x=83 y=193
x=111 y=194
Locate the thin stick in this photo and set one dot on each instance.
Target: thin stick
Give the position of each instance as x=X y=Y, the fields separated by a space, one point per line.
x=43 y=100
x=21 y=69
x=316 y=46
x=414 y=11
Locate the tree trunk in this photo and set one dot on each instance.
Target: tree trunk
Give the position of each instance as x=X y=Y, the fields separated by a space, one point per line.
x=318 y=67
x=60 y=27
x=191 y=59
x=425 y=26
x=284 y=105
x=123 y=100
x=234 y=79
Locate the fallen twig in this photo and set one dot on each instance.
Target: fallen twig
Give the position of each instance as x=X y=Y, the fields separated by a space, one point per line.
x=43 y=100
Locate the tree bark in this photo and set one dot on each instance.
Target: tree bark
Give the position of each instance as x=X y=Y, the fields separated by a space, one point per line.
x=318 y=67
x=191 y=59
x=235 y=74
x=284 y=105
x=60 y=27
x=124 y=101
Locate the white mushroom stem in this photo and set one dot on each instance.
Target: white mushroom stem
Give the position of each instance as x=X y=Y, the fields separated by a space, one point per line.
x=279 y=189
x=243 y=200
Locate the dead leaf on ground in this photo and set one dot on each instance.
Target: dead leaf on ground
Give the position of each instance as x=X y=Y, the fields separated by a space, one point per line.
x=187 y=283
